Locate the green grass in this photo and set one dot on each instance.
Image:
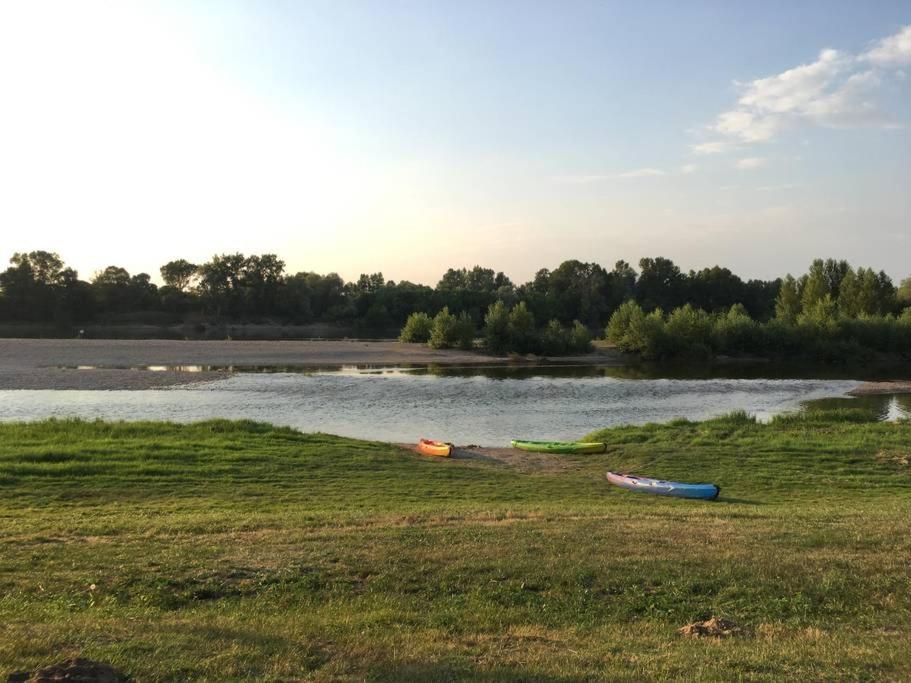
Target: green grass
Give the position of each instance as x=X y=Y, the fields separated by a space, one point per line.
x=229 y=550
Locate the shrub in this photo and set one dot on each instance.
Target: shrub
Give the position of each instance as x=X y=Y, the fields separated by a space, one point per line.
x=465 y=331
x=737 y=331
x=444 y=333
x=417 y=329
x=496 y=327
x=580 y=338
x=646 y=335
x=555 y=339
x=689 y=329
x=522 y=337
x=619 y=322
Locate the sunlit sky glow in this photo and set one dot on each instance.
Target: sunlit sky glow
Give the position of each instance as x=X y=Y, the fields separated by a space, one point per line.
x=409 y=137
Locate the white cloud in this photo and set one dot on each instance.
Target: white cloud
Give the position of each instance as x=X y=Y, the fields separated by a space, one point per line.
x=686 y=169
x=795 y=88
x=837 y=90
x=714 y=147
x=775 y=188
x=891 y=51
x=642 y=173
x=746 y=126
x=749 y=163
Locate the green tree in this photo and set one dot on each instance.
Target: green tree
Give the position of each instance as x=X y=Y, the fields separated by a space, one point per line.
x=554 y=339
x=660 y=284
x=580 y=338
x=822 y=315
x=522 y=336
x=787 y=304
x=496 y=327
x=646 y=335
x=689 y=329
x=815 y=286
x=465 y=331
x=904 y=292
x=849 y=294
x=417 y=328
x=444 y=333
x=620 y=321
x=179 y=274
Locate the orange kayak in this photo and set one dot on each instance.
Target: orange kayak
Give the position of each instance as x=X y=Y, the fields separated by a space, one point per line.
x=428 y=447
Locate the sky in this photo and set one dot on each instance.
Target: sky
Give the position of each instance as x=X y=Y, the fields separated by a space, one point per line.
x=409 y=137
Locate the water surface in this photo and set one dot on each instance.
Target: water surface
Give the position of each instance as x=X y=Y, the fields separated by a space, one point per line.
x=468 y=406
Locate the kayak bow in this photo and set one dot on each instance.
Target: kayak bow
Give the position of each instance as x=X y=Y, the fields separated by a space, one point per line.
x=659 y=487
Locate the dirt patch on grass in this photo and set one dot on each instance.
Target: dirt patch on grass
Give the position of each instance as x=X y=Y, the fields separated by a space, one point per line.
x=73 y=670
x=513 y=457
x=716 y=627
x=523 y=460
x=900 y=458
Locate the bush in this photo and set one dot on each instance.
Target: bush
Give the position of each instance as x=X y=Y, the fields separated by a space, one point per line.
x=689 y=329
x=647 y=335
x=417 y=329
x=496 y=328
x=580 y=338
x=445 y=331
x=619 y=322
x=555 y=339
x=522 y=337
x=737 y=331
x=465 y=331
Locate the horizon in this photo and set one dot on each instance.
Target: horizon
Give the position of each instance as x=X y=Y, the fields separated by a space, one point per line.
x=409 y=139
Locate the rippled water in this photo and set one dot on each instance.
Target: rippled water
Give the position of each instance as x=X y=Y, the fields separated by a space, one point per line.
x=485 y=409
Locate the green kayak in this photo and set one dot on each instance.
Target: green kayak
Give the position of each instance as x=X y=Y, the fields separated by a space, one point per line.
x=559 y=446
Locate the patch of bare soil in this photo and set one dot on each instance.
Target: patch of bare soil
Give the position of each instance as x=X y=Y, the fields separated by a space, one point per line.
x=900 y=458
x=523 y=460
x=73 y=670
x=716 y=627
x=513 y=457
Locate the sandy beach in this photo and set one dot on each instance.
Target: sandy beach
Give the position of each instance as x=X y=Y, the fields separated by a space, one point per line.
x=881 y=388
x=61 y=363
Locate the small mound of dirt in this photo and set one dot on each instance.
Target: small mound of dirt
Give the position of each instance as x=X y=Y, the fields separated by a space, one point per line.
x=72 y=670
x=716 y=627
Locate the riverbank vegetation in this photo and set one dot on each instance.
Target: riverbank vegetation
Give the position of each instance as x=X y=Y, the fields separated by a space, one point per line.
x=831 y=311
x=848 y=319
x=228 y=550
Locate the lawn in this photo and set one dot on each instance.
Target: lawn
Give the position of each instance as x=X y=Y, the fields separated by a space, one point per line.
x=231 y=550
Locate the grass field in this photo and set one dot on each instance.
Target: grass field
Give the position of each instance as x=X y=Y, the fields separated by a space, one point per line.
x=231 y=550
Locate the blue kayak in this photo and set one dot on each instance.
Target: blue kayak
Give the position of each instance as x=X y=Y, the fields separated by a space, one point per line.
x=663 y=488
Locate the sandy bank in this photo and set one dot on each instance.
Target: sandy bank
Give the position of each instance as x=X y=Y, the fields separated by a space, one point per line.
x=879 y=388
x=52 y=363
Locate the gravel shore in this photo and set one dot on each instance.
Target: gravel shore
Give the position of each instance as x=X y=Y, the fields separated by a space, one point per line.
x=113 y=364
x=880 y=388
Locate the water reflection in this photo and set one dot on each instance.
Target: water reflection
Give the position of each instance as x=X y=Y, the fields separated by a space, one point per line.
x=887 y=408
x=528 y=370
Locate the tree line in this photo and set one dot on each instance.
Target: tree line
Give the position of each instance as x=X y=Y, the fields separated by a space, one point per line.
x=39 y=287
x=833 y=313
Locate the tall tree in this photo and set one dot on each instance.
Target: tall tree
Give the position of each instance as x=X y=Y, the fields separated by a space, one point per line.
x=660 y=285
x=815 y=286
x=787 y=305
x=179 y=274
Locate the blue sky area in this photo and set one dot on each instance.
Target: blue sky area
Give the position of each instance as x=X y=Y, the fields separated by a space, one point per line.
x=409 y=137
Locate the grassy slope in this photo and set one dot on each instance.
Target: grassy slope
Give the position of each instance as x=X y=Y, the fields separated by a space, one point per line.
x=227 y=550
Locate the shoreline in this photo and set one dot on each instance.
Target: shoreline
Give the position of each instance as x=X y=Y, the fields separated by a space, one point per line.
x=883 y=388
x=119 y=364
